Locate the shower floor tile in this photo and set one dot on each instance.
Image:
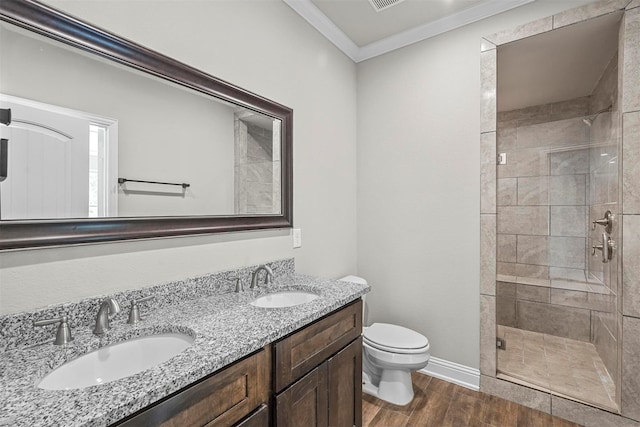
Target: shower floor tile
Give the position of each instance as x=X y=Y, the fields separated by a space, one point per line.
x=561 y=366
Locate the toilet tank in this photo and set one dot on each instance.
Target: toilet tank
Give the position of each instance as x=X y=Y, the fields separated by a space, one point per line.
x=361 y=281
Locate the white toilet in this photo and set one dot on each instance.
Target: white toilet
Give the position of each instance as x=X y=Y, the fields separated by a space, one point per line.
x=389 y=354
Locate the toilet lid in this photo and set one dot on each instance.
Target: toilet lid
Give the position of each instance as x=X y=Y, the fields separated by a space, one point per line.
x=395 y=338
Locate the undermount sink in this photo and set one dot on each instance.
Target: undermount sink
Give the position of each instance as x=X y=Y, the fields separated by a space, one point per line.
x=116 y=361
x=284 y=299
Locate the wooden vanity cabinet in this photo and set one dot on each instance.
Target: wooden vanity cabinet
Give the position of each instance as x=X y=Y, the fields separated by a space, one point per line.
x=318 y=372
x=222 y=399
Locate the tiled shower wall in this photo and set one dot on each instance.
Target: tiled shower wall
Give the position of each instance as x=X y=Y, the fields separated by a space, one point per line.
x=628 y=316
x=257 y=170
x=542 y=191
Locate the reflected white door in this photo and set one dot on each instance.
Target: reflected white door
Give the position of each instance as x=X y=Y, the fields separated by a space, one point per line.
x=48 y=165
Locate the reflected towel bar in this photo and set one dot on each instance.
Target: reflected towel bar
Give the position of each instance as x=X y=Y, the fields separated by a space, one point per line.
x=184 y=185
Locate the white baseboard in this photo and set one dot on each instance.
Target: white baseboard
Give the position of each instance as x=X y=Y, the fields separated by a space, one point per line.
x=453 y=372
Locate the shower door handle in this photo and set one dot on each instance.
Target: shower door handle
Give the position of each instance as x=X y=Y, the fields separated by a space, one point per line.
x=607 y=222
x=607 y=247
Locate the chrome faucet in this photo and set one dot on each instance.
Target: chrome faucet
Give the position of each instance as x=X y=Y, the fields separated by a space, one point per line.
x=108 y=306
x=267 y=279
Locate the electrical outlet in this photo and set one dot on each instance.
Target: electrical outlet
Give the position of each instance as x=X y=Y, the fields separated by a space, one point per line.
x=297 y=237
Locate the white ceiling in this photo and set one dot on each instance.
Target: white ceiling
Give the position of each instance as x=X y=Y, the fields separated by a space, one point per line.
x=361 y=33
x=558 y=65
x=363 y=25
x=532 y=71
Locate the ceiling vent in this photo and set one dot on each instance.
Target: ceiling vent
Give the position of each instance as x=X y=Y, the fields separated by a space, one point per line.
x=380 y=5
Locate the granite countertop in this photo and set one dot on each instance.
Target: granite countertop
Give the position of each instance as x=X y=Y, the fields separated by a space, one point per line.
x=225 y=326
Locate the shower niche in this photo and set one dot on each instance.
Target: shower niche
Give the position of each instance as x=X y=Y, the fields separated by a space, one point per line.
x=557 y=139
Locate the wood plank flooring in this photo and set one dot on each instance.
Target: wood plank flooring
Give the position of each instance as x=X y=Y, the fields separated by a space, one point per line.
x=440 y=403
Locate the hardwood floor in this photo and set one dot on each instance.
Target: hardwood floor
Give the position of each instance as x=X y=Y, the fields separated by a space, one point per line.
x=439 y=403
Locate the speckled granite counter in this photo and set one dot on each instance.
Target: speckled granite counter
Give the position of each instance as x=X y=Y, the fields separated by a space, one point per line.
x=225 y=326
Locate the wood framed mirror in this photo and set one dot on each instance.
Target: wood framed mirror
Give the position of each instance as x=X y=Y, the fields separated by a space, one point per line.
x=139 y=202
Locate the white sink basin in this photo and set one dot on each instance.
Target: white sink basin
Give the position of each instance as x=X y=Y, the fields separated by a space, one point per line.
x=284 y=299
x=116 y=361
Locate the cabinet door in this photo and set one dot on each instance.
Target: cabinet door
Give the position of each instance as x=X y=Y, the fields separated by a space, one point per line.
x=344 y=372
x=305 y=402
x=218 y=401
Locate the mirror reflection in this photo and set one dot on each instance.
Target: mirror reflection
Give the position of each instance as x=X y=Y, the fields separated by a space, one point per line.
x=89 y=138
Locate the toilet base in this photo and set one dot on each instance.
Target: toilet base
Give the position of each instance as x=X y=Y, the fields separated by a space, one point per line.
x=395 y=386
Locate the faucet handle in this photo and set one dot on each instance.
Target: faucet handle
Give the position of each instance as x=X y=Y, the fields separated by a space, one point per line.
x=134 y=312
x=268 y=279
x=607 y=247
x=239 y=285
x=63 y=334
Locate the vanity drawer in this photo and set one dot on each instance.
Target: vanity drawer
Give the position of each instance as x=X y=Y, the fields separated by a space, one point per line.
x=305 y=349
x=259 y=418
x=222 y=399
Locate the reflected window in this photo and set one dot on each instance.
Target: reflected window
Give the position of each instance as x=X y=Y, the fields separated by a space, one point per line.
x=97 y=170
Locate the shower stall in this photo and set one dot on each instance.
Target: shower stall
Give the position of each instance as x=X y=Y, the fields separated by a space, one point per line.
x=557 y=236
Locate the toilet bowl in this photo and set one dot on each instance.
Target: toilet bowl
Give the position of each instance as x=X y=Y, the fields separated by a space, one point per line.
x=389 y=354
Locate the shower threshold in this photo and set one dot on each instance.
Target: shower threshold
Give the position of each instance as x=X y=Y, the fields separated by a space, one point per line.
x=563 y=367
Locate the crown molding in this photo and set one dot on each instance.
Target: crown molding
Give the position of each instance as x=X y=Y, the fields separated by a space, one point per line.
x=324 y=25
x=314 y=16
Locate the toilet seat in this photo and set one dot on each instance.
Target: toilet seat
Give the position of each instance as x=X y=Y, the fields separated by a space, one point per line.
x=395 y=339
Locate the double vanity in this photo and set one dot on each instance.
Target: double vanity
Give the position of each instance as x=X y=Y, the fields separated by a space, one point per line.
x=284 y=353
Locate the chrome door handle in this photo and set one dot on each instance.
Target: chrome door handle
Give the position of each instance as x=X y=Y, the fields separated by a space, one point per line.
x=607 y=222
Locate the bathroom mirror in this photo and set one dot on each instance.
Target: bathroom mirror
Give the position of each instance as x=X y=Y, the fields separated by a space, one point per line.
x=128 y=143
